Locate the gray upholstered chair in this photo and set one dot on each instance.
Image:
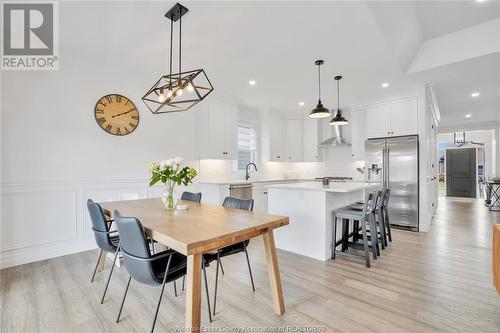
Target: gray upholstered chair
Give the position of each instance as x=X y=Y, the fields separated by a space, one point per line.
x=107 y=241
x=189 y=196
x=230 y=202
x=146 y=268
x=364 y=216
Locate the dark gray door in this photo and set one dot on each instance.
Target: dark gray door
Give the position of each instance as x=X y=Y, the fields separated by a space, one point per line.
x=461 y=172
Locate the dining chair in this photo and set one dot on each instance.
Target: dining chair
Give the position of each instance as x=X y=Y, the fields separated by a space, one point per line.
x=190 y=196
x=107 y=240
x=144 y=267
x=230 y=202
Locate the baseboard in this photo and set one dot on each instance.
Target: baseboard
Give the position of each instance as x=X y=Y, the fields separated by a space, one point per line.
x=26 y=255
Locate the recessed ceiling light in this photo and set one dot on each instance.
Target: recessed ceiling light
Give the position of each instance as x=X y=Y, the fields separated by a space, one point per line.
x=385 y=85
x=468 y=116
x=252 y=82
x=474 y=94
x=481 y=0
x=301 y=103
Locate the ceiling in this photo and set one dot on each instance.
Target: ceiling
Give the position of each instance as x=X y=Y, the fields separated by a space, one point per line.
x=441 y=17
x=276 y=45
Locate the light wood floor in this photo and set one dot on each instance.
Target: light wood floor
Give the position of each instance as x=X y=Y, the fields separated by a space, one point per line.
x=435 y=282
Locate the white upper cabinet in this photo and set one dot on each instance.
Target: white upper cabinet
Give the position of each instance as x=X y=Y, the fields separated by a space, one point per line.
x=294 y=140
x=358 y=134
x=378 y=120
x=217 y=130
x=393 y=118
x=404 y=116
x=277 y=139
x=310 y=151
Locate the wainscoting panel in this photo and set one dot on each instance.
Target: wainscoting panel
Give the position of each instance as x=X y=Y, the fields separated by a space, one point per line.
x=38 y=217
x=45 y=220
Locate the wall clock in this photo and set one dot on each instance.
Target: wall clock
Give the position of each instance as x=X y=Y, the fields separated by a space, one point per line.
x=116 y=114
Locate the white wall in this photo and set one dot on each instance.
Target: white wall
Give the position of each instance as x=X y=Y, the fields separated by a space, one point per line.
x=53 y=154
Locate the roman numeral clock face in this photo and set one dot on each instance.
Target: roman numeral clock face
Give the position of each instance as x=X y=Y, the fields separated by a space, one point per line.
x=116 y=114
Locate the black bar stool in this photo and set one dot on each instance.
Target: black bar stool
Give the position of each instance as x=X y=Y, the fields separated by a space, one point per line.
x=363 y=216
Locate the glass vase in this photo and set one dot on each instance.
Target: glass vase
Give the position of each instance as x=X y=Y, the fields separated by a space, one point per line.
x=169 y=199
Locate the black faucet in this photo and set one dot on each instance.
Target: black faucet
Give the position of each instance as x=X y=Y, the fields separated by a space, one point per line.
x=247 y=176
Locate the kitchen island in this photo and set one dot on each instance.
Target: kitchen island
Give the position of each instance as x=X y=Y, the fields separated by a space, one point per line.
x=309 y=206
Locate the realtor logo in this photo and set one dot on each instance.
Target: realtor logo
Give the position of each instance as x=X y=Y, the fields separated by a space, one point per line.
x=30 y=36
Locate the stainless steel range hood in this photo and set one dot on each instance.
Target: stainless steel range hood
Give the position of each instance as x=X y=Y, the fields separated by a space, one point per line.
x=336 y=141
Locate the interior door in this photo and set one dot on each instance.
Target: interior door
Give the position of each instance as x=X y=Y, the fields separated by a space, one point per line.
x=461 y=172
x=402 y=175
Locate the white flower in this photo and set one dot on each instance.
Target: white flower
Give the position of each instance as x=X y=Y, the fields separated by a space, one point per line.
x=178 y=160
x=166 y=163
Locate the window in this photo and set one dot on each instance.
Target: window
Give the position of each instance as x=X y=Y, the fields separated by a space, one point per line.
x=247 y=146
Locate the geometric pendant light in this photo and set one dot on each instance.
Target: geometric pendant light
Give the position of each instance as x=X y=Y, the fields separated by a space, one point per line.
x=179 y=91
x=338 y=119
x=319 y=111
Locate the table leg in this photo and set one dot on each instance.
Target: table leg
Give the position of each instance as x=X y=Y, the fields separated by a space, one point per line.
x=193 y=293
x=274 y=272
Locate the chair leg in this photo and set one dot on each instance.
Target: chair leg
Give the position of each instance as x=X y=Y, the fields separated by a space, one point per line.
x=183 y=282
x=123 y=300
x=334 y=235
x=110 y=272
x=388 y=224
x=365 y=244
x=249 y=268
x=221 y=267
x=383 y=236
x=96 y=265
x=373 y=236
x=206 y=290
x=175 y=289
x=216 y=279
x=161 y=293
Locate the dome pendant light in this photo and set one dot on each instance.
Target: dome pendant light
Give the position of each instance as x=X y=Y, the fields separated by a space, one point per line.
x=338 y=119
x=320 y=111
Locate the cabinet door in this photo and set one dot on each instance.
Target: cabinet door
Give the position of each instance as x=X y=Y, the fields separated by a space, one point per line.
x=294 y=140
x=378 y=120
x=231 y=132
x=310 y=140
x=216 y=129
x=277 y=139
x=358 y=134
x=404 y=116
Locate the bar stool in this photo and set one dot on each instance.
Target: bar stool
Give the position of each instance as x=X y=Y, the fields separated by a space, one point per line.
x=385 y=212
x=363 y=216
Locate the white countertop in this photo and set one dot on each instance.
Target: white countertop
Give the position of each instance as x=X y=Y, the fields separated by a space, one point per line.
x=251 y=181
x=318 y=186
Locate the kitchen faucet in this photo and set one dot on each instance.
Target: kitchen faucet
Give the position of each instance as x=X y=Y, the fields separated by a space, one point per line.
x=247 y=176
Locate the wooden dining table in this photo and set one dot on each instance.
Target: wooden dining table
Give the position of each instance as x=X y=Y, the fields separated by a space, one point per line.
x=202 y=228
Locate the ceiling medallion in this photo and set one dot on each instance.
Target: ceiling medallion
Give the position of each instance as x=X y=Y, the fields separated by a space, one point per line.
x=175 y=92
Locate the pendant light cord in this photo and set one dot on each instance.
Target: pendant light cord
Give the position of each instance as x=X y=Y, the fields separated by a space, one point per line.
x=171 y=47
x=319 y=83
x=180 y=40
x=338 y=96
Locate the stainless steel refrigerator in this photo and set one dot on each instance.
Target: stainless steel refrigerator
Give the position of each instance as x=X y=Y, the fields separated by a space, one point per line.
x=393 y=162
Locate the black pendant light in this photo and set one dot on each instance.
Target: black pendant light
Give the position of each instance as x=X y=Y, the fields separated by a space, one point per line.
x=180 y=91
x=338 y=119
x=319 y=111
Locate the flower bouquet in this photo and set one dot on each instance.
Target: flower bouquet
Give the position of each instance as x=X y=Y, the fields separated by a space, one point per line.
x=171 y=173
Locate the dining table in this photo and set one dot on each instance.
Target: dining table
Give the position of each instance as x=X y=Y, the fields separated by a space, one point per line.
x=203 y=228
